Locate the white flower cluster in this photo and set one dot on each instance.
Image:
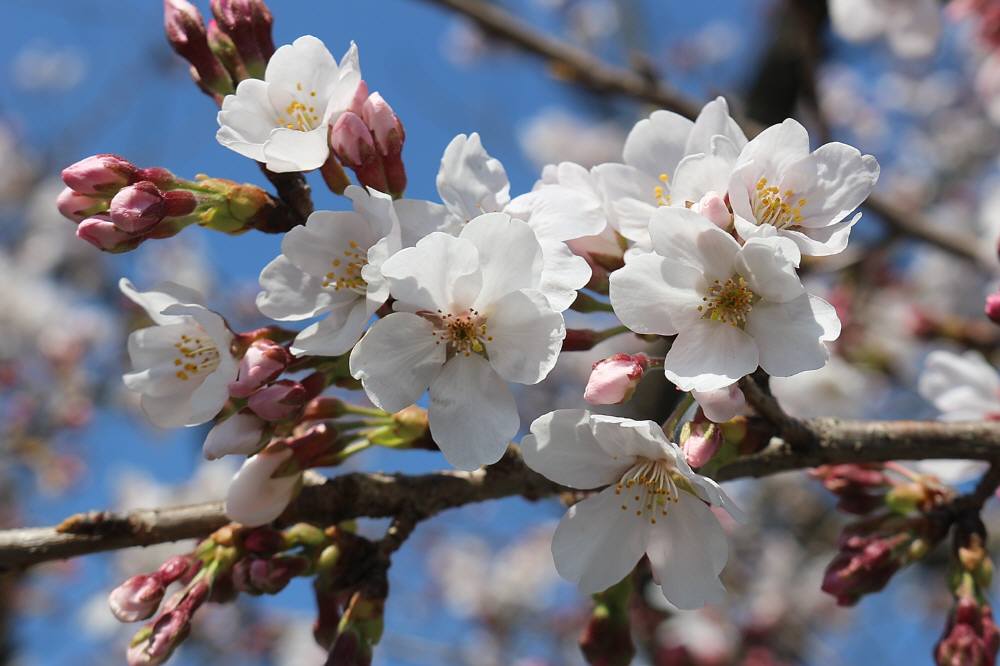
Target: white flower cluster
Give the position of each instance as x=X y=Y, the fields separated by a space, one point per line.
x=469 y=291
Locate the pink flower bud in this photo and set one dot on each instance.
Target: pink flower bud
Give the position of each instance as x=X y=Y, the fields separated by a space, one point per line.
x=863 y=565
x=137 y=598
x=248 y=25
x=389 y=135
x=99 y=174
x=279 y=400
x=177 y=568
x=102 y=233
x=264 y=541
x=971 y=636
x=603 y=252
x=187 y=35
x=258 y=575
x=613 y=380
x=993 y=307
x=722 y=404
x=580 y=339
x=263 y=23
x=713 y=206
x=254 y=498
x=240 y=434
x=352 y=141
x=162 y=178
x=357 y=104
x=154 y=646
x=384 y=125
x=262 y=363
x=137 y=208
x=179 y=203
x=703 y=441
x=78 y=207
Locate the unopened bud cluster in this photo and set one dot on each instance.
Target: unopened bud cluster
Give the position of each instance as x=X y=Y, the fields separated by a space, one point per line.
x=236 y=45
x=117 y=205
x=970 y=637
x=905 y=523
x=368 y=139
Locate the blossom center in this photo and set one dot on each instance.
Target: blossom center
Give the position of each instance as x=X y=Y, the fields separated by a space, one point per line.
x=195 y=356
x=730 y=302
x=777 y=208
x=300 y=114
x=648 y=488
x=465 y=333
x=660 y=191
x=345 y=271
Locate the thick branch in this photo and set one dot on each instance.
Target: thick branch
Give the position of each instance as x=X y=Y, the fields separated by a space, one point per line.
x=579 y=66
x=417 y=497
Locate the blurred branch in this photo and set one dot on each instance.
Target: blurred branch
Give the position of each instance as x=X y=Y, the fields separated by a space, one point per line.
x=414 y=498
x=580 y=67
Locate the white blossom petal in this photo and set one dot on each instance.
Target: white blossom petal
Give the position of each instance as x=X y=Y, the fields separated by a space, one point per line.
x=397 y=359
x=769 y=264
x=470 y=182
x=439 y=272
x=562 y=448
x=510 y=257
x=597 y=543
x=687 y=552
x=709 y=355
x=526 y=337
x=656 y=144
x=790 y=335
x=654 y=295
x=336 y=333
x=472 y=413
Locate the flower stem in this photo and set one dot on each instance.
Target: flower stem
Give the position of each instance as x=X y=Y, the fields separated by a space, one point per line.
x=670 y=425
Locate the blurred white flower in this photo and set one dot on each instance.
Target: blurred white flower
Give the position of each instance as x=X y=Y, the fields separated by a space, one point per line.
x=554 y=136
x=912 y=27
x=838 y=390
x=42 y=68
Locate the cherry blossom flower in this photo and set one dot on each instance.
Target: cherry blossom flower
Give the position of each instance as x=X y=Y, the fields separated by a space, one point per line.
x=470 y=182
x=331 y=266
x=654 y=504
x=779 y=188
x=654 y=151
x=732 y=308
x=912 y=27
x=183 y=364
x=964 y=387
x=283 y=121
x=469 y=319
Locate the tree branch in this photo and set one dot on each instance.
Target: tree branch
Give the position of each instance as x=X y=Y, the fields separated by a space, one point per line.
x=416 y=497
x=578 y=66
